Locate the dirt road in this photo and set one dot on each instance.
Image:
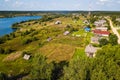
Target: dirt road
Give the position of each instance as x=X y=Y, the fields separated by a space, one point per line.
x=114 y=30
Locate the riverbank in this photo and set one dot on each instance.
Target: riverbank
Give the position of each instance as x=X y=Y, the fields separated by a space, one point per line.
x=6 y=23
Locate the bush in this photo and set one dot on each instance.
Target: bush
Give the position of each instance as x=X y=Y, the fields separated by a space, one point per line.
x=2 y=76
x=41 y=44
x=96 y=45
x=12 y=35
x=103 y=42
x=34 y=39
x=1 y=50
x=26 y=41
x=7 y=51
x=113 y=39
x=1 y=41
x=25 y=33
x=4 y=38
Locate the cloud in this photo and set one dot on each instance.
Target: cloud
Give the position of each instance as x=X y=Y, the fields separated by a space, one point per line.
x=17 y=4
x=103 y=0
x=118 y=2
x=6 y=0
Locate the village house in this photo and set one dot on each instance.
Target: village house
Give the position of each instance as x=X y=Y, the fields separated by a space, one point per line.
x=99 y=23
x=90 y=51
x=58 y=22
x=66 y=33
x=101 y=33
x=86 y=22
x=102 y=28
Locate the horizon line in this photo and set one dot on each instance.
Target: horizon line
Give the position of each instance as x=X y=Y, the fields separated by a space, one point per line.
x=61 y=10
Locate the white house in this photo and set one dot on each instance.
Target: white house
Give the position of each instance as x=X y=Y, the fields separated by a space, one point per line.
x=99 y=23
x=58 y=22
x=26 y=57
x=102 y=28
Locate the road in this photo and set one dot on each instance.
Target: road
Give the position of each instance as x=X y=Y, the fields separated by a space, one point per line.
x=114 y=30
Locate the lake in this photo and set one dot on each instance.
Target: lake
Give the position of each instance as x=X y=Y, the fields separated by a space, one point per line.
x=6 y=23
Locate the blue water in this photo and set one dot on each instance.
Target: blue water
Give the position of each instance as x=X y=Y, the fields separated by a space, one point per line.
x=6 y=23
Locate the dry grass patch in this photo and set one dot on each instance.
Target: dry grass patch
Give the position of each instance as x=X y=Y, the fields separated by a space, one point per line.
x=58 y=52
x=13 y=56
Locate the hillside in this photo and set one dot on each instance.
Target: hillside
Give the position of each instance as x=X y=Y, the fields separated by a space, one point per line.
x=56 y=44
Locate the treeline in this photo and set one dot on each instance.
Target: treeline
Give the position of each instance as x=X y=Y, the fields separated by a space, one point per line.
x=7 y=37
x=30 y=13
x=112 y=39
x=115 y=21
x=105 y=66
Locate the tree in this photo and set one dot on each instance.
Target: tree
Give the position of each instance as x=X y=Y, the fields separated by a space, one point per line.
x=2 y=76
x=7 y=51
x=1 y=50
x=41 y=69
x=113 y=39
x=27 y=40
x=103 y=41
x=105 y=66
x=1 y=40
x=77 y=70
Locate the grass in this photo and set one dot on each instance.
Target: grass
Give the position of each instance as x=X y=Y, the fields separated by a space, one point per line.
x=60 y=48
x=82 y=34
x=57 y=52
x=73 y=41
x=14 y=67
x=79 y=52
x=11 y=58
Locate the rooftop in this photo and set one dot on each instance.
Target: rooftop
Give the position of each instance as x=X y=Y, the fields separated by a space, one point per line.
x=101 y=32
x=90 y=49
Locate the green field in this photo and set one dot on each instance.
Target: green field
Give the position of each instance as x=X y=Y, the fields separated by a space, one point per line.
x=33 y=39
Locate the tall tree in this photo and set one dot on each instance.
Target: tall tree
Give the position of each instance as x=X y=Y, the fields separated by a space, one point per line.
x=113 y=39
x=103 y=41
x=41 y=69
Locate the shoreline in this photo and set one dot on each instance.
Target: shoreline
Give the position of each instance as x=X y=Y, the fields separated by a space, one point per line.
x=12 y=29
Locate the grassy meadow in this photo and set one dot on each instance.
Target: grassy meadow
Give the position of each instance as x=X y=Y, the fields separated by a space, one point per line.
x=31 y=37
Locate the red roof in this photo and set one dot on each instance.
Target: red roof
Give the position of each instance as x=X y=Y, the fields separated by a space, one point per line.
x=101 y=32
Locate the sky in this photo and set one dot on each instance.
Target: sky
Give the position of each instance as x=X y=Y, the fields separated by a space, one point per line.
x=70 y=5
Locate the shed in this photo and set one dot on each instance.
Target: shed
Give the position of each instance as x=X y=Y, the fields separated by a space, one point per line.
x=26 y=57
x=49 y=39
x=66 y=33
